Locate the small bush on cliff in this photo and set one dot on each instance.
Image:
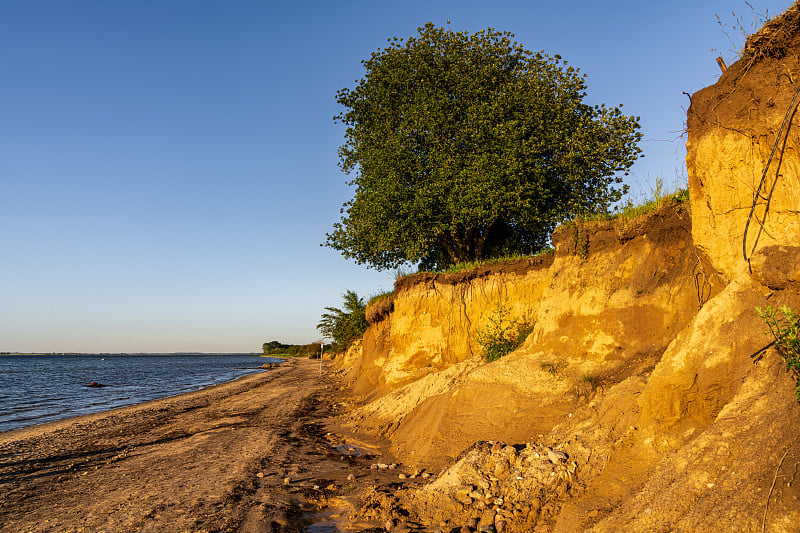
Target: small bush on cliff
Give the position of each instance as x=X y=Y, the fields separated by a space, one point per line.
x=344 y=326
x=502 y=335
x=785 y=327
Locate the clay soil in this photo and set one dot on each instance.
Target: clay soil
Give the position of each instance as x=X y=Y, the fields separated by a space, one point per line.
x=250 y=455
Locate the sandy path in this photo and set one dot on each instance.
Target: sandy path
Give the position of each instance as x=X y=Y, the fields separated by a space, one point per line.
x=211 y=460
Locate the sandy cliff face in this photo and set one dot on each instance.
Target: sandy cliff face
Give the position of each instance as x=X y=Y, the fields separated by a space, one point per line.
x=733 y=127
x=648 y=396
x=605 y=307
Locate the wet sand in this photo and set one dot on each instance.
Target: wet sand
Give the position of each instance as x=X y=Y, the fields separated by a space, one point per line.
x=216 y=459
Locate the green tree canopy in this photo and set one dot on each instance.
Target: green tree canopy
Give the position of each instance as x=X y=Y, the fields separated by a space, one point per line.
x=467 y=146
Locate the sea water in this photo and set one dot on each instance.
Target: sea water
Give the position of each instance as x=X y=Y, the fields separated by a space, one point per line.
x=41 y=388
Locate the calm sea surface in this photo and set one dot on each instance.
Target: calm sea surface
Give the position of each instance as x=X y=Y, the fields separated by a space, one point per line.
x=42 y=388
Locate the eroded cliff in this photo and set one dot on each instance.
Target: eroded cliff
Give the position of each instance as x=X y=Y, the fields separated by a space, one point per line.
x=648 y=396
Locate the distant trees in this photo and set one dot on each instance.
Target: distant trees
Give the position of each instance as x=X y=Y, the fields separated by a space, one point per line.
x=466 y=147
x=278 y=348
x=344 y=325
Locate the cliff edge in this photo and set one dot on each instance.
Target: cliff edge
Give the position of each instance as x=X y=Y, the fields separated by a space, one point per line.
x=648 y=396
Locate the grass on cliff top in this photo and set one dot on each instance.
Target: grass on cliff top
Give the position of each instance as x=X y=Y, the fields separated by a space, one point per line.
x=626 y=213
x=380 y=296
x=631 y=211
x=470 y=265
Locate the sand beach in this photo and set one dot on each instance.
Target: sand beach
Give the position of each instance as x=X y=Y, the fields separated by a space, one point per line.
x=248 y=455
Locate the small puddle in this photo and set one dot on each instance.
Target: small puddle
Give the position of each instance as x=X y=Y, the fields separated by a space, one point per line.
x=332 y=519
x=351 y=450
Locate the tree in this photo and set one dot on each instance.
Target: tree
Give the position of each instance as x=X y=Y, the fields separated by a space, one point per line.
x=345 y=326
x=467 y=146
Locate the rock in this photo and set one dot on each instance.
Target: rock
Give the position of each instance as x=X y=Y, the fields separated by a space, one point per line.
x=351 y=477
x=425 y=475
x=496 y=447
x=556 y=456
x=462 y=496
x=501 y=468
x=287 y=480
x=260 y=475
x=499 y=525
x=401 y=476
x=402 y=527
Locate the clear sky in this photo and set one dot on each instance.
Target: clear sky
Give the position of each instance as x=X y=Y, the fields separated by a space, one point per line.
x=168 y=169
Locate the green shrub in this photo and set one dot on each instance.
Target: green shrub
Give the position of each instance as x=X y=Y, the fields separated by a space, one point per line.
x=502 y=335
x=785 y=327
x=344 y=326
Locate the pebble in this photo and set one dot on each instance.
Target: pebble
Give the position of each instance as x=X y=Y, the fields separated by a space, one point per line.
x=351 y=477
x=287 y=480
x=556 y=456
x=401 y=476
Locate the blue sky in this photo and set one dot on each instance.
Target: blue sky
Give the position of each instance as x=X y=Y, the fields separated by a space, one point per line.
x=168 y=169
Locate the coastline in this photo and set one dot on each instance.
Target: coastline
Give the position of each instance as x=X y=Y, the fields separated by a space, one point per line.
x=247 y=455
